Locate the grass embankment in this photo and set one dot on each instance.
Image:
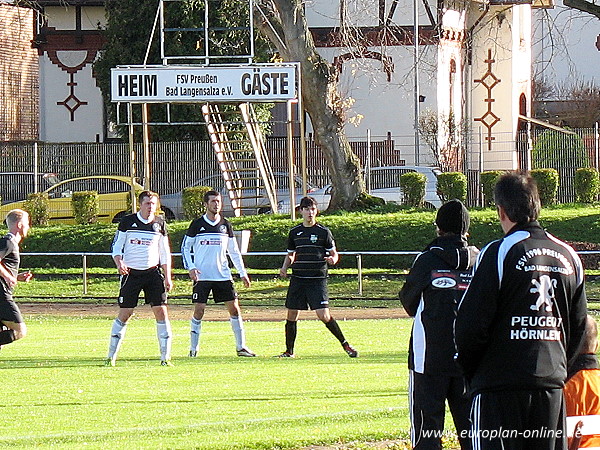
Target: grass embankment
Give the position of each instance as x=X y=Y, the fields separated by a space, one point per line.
x=400 y=230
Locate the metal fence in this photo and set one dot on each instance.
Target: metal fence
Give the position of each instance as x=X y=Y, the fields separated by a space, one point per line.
x=175 y=165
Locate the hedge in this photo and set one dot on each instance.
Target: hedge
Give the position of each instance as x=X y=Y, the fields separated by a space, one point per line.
x=37 y=207
x=547 y=183
x=85 y=206
x=488 y=182
x=413 y=187
x=587 y=184
x=193 y=201
x=451 y=185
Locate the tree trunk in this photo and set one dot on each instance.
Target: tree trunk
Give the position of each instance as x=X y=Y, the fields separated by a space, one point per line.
x=320 y=95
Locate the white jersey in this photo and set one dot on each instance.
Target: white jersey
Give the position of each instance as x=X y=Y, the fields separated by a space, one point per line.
x=141 y=243
x=205 y=247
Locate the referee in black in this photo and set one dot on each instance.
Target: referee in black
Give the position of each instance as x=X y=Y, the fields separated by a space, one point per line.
x=140 y=249
x=310 y=249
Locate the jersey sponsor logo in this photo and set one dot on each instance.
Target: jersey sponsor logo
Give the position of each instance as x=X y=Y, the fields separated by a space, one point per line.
x=210 y=242
x=137 y=241
x=444 y=283
x=450 y=279
x=313 y=238
x=545 y=290
x=222 y=229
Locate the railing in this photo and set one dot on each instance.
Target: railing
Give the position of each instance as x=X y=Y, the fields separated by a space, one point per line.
x=358 y=255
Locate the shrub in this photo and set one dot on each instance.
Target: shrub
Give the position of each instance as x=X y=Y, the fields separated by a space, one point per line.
x=85 y=206
x=193 y=201
x=452 y=185
x=413 y=187
x=488 y=181
x=37 y=206
x=366 y=202
x=587 y=184
x=547 y=183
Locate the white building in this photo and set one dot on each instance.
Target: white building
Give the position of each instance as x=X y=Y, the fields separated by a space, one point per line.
x=478 y=72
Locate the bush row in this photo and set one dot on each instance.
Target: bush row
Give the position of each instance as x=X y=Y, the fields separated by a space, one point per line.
x=405 y=230
x=454 y=185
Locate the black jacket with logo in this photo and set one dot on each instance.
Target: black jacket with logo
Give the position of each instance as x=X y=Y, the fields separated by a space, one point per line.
x=522 y=319
x=433 y=288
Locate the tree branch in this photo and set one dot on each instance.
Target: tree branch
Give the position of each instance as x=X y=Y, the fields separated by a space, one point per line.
x=584 y=6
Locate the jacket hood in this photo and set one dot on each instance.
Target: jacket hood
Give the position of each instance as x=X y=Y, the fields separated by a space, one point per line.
x=453 y=250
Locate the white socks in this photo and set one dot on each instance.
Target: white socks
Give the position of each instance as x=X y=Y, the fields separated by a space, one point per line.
x=237 y=325
x=163 y=332
x=195 y=328
x=117 y=333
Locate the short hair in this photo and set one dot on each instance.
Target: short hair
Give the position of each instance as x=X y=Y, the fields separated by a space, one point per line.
x=15 y=216
x=590 y=341
x=208 y=194
x=308 y=202
x=517 y=194
x=148 y=194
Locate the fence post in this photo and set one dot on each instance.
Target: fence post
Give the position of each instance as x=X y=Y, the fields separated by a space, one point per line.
x=84 y=274
x=360 y=282
x=597 y=146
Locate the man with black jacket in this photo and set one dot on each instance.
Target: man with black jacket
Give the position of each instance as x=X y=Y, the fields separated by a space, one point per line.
x=433 y=288
x=519 y=326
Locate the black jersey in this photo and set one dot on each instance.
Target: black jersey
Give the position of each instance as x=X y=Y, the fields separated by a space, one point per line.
x=522 y=318
x=310 y=244
x=434 y=286
x=10 y=259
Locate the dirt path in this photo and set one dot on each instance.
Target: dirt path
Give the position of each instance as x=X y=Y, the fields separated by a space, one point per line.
x=216 y=313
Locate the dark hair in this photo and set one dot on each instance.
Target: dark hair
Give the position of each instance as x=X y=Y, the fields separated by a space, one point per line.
x=517 y=194
x=208 y=194
x=145 y=194
x=308 y=202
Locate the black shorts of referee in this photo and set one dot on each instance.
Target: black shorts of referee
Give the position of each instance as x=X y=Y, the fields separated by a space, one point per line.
x=9 y=311
x=305 y=293
x=151 y=281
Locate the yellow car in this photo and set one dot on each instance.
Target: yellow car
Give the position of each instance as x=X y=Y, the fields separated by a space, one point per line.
x=113 y=192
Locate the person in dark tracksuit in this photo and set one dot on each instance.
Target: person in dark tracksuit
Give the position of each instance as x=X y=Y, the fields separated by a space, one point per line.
x=519 y=326
x=433 y=288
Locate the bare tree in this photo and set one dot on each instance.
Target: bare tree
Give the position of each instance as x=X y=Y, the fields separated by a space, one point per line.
x=283 y=22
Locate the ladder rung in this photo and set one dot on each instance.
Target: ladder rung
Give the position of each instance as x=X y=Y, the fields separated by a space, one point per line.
x=251 y=197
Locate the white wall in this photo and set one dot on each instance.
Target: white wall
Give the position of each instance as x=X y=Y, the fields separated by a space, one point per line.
x=63 y=18
x=564 y=45
x=56 y=124
x=379 y=105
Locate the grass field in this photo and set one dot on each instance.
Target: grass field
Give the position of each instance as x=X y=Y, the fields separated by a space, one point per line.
x=57 y=394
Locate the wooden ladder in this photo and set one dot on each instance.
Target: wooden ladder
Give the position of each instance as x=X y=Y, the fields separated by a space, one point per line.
x=239 y=147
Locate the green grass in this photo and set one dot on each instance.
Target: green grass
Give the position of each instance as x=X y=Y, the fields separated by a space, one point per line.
x=57 y=395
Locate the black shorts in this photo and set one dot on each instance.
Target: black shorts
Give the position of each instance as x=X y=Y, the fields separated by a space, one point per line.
x=9 y=311
x=303 y=294
x=151 y=281
x=223 y=291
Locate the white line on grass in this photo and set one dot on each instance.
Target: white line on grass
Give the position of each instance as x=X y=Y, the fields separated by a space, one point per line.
x=194 y=426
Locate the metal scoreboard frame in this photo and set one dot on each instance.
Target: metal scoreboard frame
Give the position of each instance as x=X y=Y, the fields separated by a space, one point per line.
x=179 y=84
